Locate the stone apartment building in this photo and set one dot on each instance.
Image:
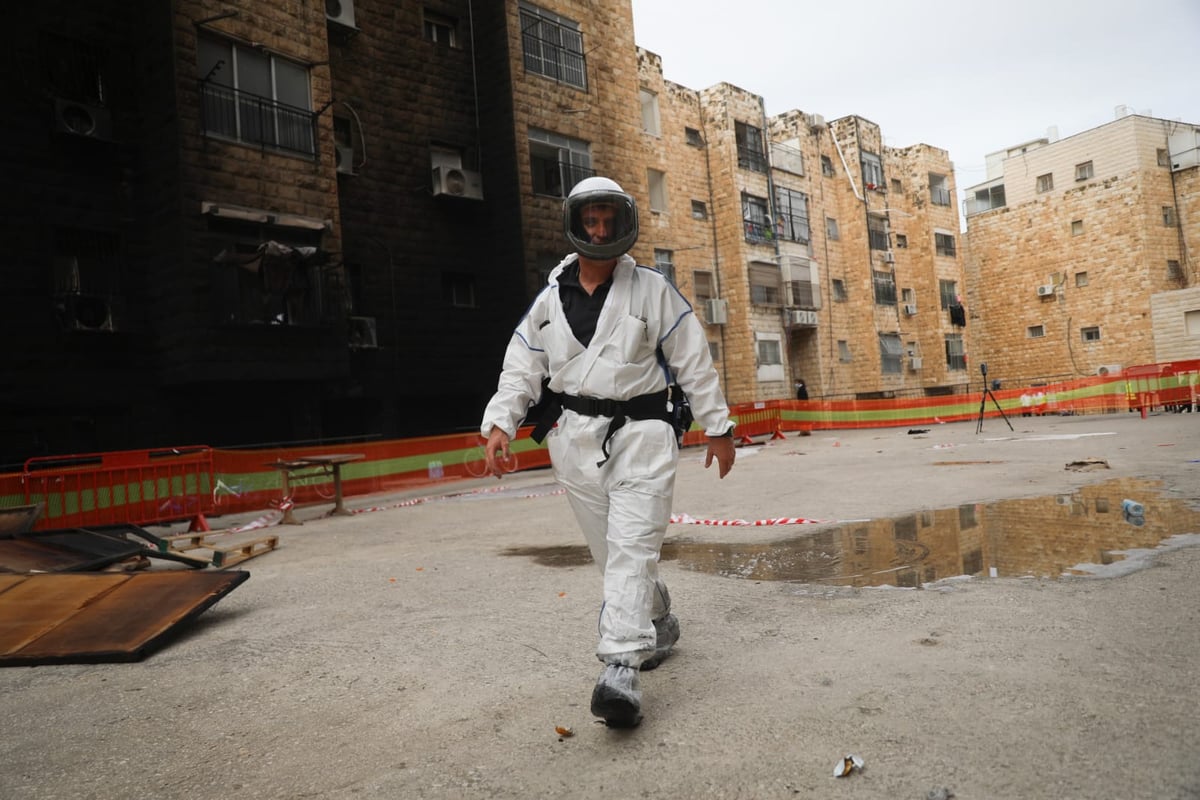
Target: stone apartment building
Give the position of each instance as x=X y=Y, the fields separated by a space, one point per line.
x=812 y=250
x=239 y=222
x=1081 y=252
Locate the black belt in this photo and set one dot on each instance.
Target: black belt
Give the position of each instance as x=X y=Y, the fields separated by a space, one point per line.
x=644 y=406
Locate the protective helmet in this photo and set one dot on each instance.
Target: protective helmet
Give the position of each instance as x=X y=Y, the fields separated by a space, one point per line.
x=611 y=240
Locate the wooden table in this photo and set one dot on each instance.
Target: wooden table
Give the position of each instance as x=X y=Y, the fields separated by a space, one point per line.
x=331 y=462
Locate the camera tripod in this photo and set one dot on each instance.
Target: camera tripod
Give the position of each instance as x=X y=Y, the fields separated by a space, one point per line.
x=987 y=392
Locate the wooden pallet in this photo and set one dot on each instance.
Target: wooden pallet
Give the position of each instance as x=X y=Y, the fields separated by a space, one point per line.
x=223 y=554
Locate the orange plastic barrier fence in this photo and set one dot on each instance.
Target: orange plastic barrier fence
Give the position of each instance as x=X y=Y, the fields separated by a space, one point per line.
x=138 y=486
x=146 y=486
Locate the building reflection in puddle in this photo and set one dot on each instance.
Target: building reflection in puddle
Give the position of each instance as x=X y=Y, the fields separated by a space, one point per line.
x=1042 y=537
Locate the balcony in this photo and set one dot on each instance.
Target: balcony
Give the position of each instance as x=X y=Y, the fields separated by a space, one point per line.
x=254 y=119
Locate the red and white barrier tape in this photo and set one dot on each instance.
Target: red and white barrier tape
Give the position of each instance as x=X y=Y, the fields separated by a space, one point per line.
x=685 y=519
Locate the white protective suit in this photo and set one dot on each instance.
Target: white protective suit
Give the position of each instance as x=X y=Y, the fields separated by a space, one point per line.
x=624 y=506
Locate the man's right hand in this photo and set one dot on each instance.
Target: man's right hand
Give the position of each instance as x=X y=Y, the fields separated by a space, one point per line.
x=496 y=448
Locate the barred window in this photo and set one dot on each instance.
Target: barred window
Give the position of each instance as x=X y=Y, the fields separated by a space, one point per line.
x=766 y=285
x=553 y=46
x=944 y=244
x=948 y=293
x=891 y=353
x=664 y=263
x=885 y=288
x=793 y=215
x=877 y=232
x=939 y=189
x=750 y=151
x=956 y=357
x=557 y=162
x=756 y=219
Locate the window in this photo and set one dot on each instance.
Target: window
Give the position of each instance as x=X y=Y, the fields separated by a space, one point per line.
x=877 y=232
x=714 y=350
x=891 y=353
x=956 y=357
x=1035 y=331
x=1164 y=158
x=939 y=189
x=76 y=70
x=872 y=170
x=987 y=199
x=267 y=274
x=703 y=286
x=831 y=229
x=897 y=187
x=1168 y=216
x=805 y=291
x=885 y=287
x=839 y=290
x=650 y=120
x=901 y=241
x=692 y=137
x=844 y=351
x=766 y=285
x=663 y=263
x=947 y=293
x=254 y=97
x=699 y=210
x=458 y=289
x=1076 y=227
x=770 y=356
x=1083 y=171
x=553 y=46
x=750 y=151
x=1174 y=272
x=1081 y=279
x=557 y=162
x=1045 y=182
x=441 y=29
x=756 y=219
x=1090 y=334
x=943 y=244
x=1191 y=322
x=827 y=166
x=658 y=190
x=793 y=215
x=87 y=277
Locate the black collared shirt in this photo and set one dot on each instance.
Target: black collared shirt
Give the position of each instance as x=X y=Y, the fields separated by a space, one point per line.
x=582 y=309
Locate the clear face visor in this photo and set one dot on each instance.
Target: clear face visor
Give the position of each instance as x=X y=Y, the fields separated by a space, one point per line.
x=602 y=221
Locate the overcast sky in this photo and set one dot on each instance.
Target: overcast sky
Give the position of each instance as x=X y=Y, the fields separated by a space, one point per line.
x=968 y=77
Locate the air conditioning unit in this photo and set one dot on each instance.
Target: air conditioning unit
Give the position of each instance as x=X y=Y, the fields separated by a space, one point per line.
x=457 y=183
x=81 y=119
x=889 y=257
x=1109 y=369
x=717 y=311
x=344 y=158
x=340 y=12
x=1045 y=290
x=910 y=309
x=801 y=317
x=816 y=122
x=915 y=363
x=85 y=312
x=362 y=333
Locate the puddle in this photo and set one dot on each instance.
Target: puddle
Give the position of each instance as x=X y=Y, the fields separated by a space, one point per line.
x=1042 y=537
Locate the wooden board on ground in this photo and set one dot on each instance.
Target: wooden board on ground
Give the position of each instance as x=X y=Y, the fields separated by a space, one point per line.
x=226 y=549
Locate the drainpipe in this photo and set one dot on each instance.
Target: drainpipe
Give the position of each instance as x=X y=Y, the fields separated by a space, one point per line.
x=712 y=226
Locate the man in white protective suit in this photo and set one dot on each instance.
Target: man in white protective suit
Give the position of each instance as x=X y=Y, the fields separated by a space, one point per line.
x=600 y=348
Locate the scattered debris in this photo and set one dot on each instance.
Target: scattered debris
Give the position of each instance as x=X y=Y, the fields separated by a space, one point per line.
x=914 y=431
x=564 y=731
x=939 y=793
x=1088 y=465
x=847 y=764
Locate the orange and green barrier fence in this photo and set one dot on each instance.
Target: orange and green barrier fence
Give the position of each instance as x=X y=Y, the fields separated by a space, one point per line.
x=194 y=482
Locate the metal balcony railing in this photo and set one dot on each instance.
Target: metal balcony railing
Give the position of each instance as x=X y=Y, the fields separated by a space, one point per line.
x=255 y=119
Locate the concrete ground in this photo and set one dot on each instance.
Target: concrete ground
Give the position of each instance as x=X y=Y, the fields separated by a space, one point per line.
x=400 y=653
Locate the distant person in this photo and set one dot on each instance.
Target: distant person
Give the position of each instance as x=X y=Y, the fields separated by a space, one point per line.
x=801 y=390
x=610 y=337
x=1026 y=404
